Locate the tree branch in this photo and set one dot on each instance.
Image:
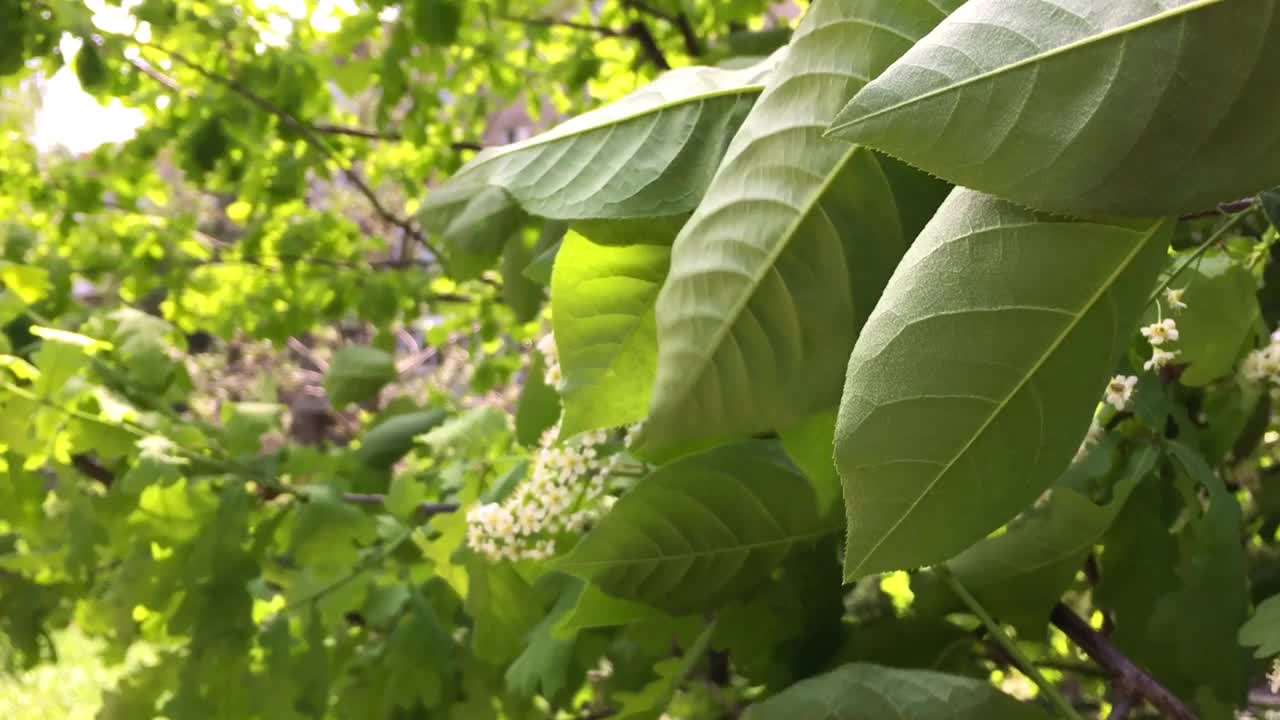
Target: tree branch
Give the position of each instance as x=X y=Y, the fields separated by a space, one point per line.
x=640 y=31
x=1225 y=208
x=1127 y=678
x=555 y=23
x=680 y=20
x=425 y=510
x=312 y=137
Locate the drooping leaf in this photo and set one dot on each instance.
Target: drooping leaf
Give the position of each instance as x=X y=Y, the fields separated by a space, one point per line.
x=544 y=665
x=870 y=692
x=700 y=530
x=783 y=260
x=1020 y=574
x=602 y=300
x=357 y=374
x=539 y=405
x=505 y=609
x=1263 y=629
x=1086 y=106
x=391 y=439
x=974 y=380
x=521 y=294
x=649 y=155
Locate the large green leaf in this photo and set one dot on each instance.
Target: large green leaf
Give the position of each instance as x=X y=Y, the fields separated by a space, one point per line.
x=701 y=530
x=1222 y=311
x=1087 y=106
x=1263 y=629
x=648 y=155
x=974 y=380
x=870 y=692
x=785 y=257
x=602 y=309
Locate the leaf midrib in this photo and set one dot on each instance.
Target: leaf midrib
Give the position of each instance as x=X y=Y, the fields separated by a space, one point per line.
x=1103 y=288
x=1039 y=57
x=787 y=236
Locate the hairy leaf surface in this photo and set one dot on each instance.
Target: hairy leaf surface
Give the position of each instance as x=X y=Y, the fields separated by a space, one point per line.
x=1151 y=107
x=602 y=300
x=701 y=530
x=649 y=155
x=859 y=691
x=783 y=260
x=974 y=380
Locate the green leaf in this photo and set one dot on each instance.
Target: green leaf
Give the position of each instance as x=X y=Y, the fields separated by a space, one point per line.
x=1271 y=206
x=504 y=607
x=1166 y=560
x=701 y=530
x=543 y=667
x=1087 y=106
x=775 y=273
x=602 y=300
x=809 y=447
x=545 y=251
x=391 y=439
x=539 y=405
x=654 y=697
x=1222 y=310
x=974 y=380
x=521 y=294
x=596 y=609
x=404 y=496
x=648 y=155
x=29 y=283
x=437 y=21
x=1020 y=574
x=473 y=430
x=357 y=374
x=870 y=692
x=1263 y=629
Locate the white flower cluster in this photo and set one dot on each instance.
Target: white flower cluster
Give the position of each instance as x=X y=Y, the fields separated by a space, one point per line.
x=565 y=493
x=1263 y=365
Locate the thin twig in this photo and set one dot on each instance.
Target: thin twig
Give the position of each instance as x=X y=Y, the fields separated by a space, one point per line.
x=680 y=20
x=1126 y=677
x=1120 y=709
x=640 y=31
x=426 y=509
x=568 y=24
x=1198 y=252
x=312 y=137
x=1010 y=647
x=1226 y=208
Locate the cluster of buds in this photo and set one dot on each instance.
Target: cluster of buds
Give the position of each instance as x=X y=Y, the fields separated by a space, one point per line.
x=1162 y=333
x=551 y=361
x=1262 y=366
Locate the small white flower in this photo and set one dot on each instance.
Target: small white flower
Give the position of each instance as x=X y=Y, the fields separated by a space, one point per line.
x=547 y=346
x=1120 y=391
x=1173 y=298
x=1159 y=358
x=1273 y=677
x=1158 y=333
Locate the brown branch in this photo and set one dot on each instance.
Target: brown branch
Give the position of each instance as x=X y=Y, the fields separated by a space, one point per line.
x=569 y=24
x=640 y=32
x=312 y=138
x=425 y=510
x=1121 y=708
x=1126 y=677
x=90 y=468
x=1226 y=208
x=681 y=22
